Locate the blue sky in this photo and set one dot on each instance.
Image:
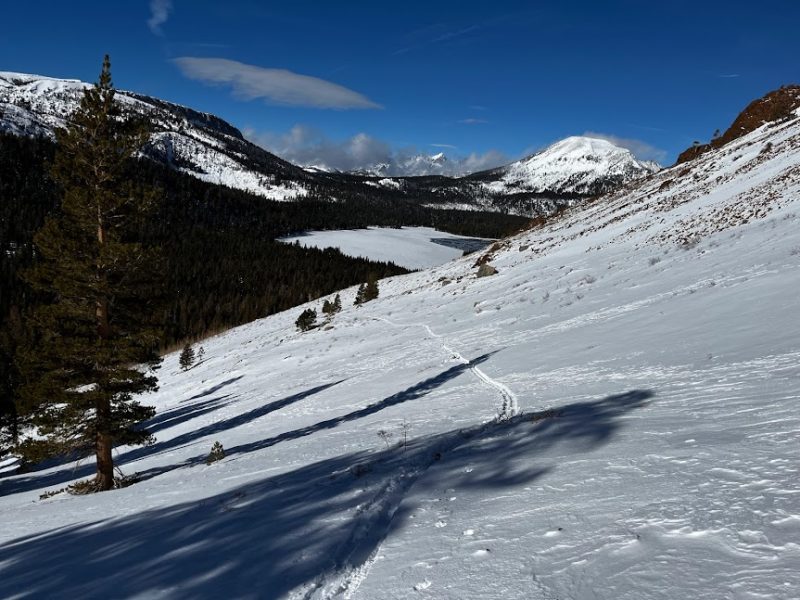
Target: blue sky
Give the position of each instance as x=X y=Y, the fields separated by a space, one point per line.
x=353 y=81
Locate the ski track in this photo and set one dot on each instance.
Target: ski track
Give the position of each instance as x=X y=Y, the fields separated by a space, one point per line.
x=374 y=519
x=510 y=405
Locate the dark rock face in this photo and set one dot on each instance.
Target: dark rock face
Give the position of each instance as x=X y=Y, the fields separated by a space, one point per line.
x=775 y=106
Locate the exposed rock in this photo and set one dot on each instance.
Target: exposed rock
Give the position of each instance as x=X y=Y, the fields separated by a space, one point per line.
x=776 y=105
x=486 y=270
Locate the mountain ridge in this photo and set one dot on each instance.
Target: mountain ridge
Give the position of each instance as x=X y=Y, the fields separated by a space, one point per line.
x=215 y=151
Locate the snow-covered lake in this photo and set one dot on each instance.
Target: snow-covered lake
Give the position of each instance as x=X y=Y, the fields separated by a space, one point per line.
x=409 y=247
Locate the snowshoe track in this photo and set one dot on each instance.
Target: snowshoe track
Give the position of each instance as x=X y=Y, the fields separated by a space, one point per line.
x=509 y=406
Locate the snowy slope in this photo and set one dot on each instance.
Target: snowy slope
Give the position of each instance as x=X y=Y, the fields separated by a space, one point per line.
x=575 y=165
x=643 y=352
x=409 y=247
x=197 y=143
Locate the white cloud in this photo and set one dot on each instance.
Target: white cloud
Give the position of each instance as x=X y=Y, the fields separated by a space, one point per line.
x=159 y=13
x=473 y=121
x=307 y=147
x=641 y=150
x=481 y=162
x=277 y=86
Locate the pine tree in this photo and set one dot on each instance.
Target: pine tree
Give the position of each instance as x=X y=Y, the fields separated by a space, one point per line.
x=361 y=295
x=371 y=289
x=186 y=359
x=94 y=345
x=327 y=308
x=337 y=304
x=306 y=320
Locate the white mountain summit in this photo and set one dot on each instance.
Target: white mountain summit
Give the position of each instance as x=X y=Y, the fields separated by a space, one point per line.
x=575 y=165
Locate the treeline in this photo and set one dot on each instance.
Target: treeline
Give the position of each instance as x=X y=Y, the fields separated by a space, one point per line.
x=334 y=202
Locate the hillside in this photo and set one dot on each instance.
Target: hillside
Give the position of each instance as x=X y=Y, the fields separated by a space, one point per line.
x=613 y=415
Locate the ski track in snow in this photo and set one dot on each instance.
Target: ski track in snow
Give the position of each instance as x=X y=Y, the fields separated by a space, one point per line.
x=510 y=405
x=374 y=519
x=372 y=524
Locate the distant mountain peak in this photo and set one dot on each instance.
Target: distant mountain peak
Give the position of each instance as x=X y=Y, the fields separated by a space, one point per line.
x=576 y=165
x=416 y=165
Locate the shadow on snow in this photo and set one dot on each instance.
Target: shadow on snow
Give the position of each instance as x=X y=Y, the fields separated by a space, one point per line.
x=169 y=418
x=296 y=529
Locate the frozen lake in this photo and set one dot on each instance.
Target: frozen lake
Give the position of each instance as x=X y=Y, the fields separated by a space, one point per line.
x=409 y=247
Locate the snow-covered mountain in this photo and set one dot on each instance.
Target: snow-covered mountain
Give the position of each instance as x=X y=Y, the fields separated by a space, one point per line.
x=613 y=415
x=564 y=174
x=575 y=165
x=197 y=143
x=417 y=165
x=211 y=149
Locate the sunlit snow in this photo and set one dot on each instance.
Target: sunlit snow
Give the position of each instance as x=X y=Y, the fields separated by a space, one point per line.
x=410 y=247
x=614 y=415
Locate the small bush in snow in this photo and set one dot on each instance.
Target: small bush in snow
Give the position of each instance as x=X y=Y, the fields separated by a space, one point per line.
x=385 y=436
x=306 y=320
x=217 y=453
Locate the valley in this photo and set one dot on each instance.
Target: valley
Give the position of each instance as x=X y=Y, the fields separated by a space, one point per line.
x=567 y=427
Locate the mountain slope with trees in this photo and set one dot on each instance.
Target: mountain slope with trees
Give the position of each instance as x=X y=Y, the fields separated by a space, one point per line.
x=618 y=403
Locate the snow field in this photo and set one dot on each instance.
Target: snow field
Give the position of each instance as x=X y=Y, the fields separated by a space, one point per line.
x=649 y=366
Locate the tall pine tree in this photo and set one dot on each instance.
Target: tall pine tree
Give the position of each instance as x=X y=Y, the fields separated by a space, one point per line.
x=95 y=343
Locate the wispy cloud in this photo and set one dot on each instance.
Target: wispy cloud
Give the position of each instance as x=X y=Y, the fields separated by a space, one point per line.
x=159 y=13
x=306 y=146
x=473 y=121
x=449 y=35
x=729 y=76
x=435 y=38
x=277 y=86
x=642 y=150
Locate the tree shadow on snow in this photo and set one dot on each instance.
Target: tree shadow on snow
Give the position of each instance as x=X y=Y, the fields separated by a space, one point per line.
x=300 y=528
x=167 y=419
x=214 y=389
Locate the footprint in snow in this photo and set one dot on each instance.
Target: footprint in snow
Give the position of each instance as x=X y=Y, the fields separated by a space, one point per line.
x=440 y=524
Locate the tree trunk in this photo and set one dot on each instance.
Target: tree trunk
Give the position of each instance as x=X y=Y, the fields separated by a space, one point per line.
x=103 y=443
x=103 y=447
x=101 y=316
